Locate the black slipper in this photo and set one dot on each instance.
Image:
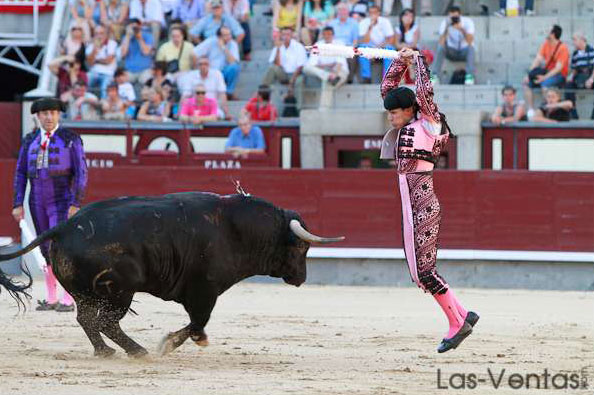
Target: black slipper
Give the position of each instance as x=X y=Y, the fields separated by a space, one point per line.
x=472 y=318
x=454 y=341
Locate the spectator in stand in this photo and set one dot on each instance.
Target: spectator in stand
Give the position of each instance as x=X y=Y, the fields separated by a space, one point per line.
x=245 y=139
x=113 y=107
x=69 y=69
x=198 y=108
x=407 y=31
x=375 y=32
x=150 y=14
x=172 y=97
x=456 y=42
x=73 y=42
x=554 y=55
x=113 y=16
x=125 y=88
x=101 y=56
x=188 y=12
x=223 y=55
x=510 y=110
x=333 y=71
x=213 y=81
x=359 y=9
x=286 y=14
x=159 y=75
x=581 y=75
x=82 y=105
x=137 y=51
x=554 y=110
x=82 y=16
x=156 y=109
x=210 y=24
x=240 y=10
x=406 y=4
x=177 y=52
x=287 y=60
x=259 y=107
x=528 y=9
x=346 y=30
x=316 y=14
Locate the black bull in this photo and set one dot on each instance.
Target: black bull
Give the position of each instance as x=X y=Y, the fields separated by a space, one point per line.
x=187 y=247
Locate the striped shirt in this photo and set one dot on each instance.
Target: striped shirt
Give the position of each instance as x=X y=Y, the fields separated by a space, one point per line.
x=583 y=61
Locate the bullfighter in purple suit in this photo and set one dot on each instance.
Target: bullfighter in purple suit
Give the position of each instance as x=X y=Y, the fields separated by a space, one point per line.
x=419 y=133
x=53 y=161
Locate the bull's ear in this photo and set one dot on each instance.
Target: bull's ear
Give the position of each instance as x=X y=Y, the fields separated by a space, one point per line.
x=304 y=235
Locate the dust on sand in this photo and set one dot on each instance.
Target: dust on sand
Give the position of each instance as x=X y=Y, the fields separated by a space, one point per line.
x=273 y=339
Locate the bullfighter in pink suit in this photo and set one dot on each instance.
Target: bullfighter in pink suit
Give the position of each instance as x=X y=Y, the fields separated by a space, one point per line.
x=419 y=133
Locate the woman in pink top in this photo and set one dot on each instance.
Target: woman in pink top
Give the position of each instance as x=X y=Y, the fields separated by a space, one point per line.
x=418 y=135
x=199 y=108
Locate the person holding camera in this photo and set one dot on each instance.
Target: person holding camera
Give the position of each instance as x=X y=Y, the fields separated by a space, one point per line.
x=456 y=43
x=554 y=54
x=137 y=51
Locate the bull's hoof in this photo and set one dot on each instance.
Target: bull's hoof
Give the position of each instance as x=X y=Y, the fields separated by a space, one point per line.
x=171 y=341
x=140 y=353
x=105 y=352
x=201 y=340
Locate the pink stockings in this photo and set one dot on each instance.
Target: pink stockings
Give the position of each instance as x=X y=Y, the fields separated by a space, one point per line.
x=453 y=310
x=52 y=289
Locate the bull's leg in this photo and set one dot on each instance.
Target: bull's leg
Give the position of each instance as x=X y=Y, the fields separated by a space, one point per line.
x=109 y=317
x=199 y=304
x=87 y=318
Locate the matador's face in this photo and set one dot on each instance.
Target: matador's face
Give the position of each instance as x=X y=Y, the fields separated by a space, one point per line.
x=48 y=119
x=399 y=117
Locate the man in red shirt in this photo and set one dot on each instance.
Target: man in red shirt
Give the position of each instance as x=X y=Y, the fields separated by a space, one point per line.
x=259 y=108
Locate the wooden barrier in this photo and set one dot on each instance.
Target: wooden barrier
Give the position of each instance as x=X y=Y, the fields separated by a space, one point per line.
x=488 y=210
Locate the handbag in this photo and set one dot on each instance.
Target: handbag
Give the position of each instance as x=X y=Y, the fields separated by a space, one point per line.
x=535 y=72
x=173 y=65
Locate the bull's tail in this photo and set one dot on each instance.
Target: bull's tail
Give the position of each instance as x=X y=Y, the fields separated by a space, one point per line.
x=35 y=243
x=17 y=290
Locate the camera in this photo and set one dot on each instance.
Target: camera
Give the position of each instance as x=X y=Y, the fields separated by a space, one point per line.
x=455 y=19
x=136 y=29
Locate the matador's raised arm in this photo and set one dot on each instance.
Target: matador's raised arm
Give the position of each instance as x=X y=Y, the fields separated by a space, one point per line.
x=425 y=91
x=393 y=76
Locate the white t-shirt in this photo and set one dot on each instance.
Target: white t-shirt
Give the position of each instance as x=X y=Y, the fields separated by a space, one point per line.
x=455 y=37
x=152 y=11
x=379 y=33
x=214 y=83
x=291 y=58
x=409 y=36
x=126 y=92
x=104 y=52
x=317 y=60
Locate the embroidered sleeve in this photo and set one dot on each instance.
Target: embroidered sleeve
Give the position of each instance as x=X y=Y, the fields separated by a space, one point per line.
x=20 y=176
x=425 y=91
x=79 y=167
x=393 y=76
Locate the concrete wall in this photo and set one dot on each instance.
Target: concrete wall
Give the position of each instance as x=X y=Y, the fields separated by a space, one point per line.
x=468 y=274
x=466 y=124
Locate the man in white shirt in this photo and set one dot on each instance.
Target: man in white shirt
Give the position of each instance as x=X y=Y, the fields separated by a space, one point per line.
x=375 y=31
x=213 y=82
x=101 y=56
x=456 y=43
x=150 y=13
x=332 y=70
x=287 y=60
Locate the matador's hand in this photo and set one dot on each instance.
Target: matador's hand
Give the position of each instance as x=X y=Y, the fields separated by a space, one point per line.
x=18 y=214
x=72 y=210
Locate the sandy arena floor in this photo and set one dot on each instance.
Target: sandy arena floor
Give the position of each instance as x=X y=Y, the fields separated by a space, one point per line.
x=273 y=339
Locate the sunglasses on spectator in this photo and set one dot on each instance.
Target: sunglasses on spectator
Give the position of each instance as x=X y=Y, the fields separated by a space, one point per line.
x=201 y=92
x=203 y=64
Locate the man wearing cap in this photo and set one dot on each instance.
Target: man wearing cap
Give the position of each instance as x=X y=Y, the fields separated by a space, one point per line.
x=208 y=25
x=419 y=133
x=53 y=161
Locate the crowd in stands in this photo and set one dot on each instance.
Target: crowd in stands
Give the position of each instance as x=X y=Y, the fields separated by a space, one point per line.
x=160 y=60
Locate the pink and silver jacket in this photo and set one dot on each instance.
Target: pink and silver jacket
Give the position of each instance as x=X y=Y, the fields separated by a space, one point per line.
x=416 y=146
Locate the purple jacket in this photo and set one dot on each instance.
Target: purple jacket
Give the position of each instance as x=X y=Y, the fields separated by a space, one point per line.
x=66 y=166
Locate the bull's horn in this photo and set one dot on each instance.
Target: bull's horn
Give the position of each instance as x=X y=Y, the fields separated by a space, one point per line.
x=304 y=235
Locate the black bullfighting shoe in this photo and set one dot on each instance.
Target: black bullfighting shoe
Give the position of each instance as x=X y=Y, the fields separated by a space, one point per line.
x=472 y=318
x=454 y=341
x=43 y=305
x=64 y=308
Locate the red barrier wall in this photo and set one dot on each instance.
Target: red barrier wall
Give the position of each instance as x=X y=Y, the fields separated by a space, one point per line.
x=10 y=129
x=509 y=210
